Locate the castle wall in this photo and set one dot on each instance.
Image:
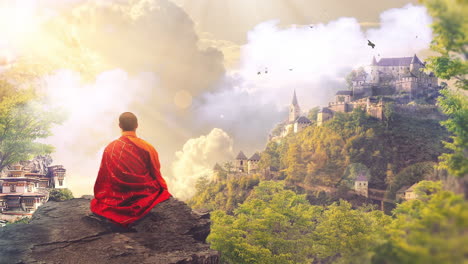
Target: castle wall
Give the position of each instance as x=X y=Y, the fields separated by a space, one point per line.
x=339 y=107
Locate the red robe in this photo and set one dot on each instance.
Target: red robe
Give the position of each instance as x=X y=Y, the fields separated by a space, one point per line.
x=129 y=183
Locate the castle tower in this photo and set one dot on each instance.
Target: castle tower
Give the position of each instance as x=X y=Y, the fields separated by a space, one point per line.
x=241 y=162
x=294 y=109
x=415 y=65
x=361 y=185
x=374 y=71
x=324 y=115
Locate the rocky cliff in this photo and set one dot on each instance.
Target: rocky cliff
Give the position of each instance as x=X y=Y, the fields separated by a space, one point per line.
x=66 y=232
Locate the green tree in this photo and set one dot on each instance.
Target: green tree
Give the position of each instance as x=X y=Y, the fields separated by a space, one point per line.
x=450 y=41
x=296 y=170
x=60 y=195
x=431 y=229
x=24 y=118
x=273 y=226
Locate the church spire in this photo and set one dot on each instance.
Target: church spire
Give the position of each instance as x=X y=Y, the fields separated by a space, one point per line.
x=294 y=101
x=294 y=109
x=374 y=61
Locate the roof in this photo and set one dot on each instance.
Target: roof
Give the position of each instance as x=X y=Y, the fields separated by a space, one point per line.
x=361 y=177
x=411 y=189
x=403 y=189
x=21 y=194
x=303 y=120
x=6 y=179
x=294 y=101
x=402 y=61
x=409 y=75
x=360 y=77
x=347 y=92
x=325 y=110
x=241 y=156
x=255 y=157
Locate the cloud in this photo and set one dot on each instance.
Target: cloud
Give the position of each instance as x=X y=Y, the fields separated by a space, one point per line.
x=196 y=159
x=92 y=118
x=312 y=61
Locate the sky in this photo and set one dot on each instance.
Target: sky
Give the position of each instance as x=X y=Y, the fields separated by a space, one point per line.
x=189 y=70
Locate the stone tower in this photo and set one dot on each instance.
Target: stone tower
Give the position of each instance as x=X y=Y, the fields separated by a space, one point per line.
x=374 y=71
x=294 y=109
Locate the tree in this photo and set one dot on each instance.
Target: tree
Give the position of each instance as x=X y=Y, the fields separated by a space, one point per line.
x=296 y=170
x=60 y=195
x=24 y=118
x=450 y=41
x=431 y=229
x=273 y=226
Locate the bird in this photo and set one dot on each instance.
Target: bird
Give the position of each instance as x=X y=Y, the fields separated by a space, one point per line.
x=311 y=26
x=370 y=43
x=290 y=69
x=259 y=73
x=416 y=36
x=266 y=70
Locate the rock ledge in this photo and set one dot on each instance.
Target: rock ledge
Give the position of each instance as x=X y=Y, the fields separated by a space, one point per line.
x=65 y=232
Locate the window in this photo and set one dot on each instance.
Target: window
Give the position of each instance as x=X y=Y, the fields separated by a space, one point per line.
x=29 y=188
x=60 y=182
x=29 y=202
x=12 y=188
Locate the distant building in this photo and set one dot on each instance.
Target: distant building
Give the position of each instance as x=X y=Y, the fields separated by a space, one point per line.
x=24 y=189
x=410 y=193
x=240 y=164
x=402 y=76
x=324 y=115
x=252 y=163
x=361 y=185
x=295 y=123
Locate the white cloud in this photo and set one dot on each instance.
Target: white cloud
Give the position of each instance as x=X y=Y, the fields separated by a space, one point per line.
x=196 y=159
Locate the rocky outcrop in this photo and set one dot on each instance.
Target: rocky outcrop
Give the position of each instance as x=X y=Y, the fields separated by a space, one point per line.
x=67 y=232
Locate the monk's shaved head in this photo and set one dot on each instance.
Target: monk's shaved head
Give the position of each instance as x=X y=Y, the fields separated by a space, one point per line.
x=128 y=121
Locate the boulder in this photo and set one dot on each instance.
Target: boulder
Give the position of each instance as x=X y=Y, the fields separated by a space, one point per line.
x=67 y=232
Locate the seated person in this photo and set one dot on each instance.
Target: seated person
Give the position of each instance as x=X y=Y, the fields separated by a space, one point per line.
x=129 y=182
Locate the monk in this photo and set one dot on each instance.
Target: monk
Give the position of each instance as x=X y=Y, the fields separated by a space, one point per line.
x=129 y=182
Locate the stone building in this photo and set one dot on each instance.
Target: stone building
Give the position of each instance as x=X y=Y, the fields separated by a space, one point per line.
x=23 y=188
x=252 y=164
x=240 y=164
x=21 y=192
x=295 y=123
x=389 y=77
x=361 y=185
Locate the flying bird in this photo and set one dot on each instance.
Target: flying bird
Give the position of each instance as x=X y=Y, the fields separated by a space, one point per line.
x=370 y=44
x=259 y=73
x=311 y=26
x=290 y=69
x=266 y=70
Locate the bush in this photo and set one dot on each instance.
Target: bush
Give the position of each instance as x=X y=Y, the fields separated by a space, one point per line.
x=60 y=195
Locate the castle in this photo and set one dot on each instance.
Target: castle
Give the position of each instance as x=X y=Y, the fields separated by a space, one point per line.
x=401 y=79
x=24 y=188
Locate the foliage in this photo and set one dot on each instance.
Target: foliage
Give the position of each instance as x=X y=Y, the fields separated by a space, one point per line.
x=60 y=195
x=450 y=41
x=24 y=220
x=275 y=225
x=24 y=118
x=224 y=194
x=353 y=74
x=431 y=229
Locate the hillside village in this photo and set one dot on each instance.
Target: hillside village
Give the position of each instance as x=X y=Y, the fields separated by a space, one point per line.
x=25 y=186
x=390 y=84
